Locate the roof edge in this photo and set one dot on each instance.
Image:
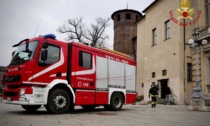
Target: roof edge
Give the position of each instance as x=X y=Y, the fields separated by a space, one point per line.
x=126 y=10
x=149 y=6
x=141 y=18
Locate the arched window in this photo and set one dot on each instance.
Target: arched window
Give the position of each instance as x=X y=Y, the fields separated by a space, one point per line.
x=118 y=17
x=128 y=16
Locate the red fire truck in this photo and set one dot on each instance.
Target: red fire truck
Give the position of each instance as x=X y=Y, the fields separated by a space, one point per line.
x=61 y=75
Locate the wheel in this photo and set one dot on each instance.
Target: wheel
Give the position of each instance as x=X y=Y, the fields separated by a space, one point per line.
x=116 y=102
x=58 y=101
x=31 y=108
x=88 y=107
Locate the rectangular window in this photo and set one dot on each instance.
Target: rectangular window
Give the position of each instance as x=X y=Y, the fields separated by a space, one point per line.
x=164 y=72
x=53 y=55
x=85 y=60
x=153 y=74
x=207 y=5
x=189 y=72
x=154 y=37
x=167 y=30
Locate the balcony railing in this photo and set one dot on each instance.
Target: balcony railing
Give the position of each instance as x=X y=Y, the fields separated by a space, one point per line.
x=204 y=33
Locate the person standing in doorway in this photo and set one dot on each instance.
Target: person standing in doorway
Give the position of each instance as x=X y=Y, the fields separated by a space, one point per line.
x=153 y=92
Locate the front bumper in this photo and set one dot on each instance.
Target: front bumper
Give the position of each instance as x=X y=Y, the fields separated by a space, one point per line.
x=24 y=96
x=27 y=100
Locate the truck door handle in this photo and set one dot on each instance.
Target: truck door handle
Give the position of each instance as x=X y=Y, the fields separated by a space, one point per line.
x=58 y=74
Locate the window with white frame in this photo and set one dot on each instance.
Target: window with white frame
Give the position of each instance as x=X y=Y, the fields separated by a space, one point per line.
x=167 y=30
x=154 y=37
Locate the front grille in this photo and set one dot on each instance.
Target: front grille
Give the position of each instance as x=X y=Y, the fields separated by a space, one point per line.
x=10 y=94
x=15 y=78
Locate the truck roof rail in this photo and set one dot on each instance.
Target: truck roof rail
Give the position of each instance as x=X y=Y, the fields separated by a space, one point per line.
x=117 y=52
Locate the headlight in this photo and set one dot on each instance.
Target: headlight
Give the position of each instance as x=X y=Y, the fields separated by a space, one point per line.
x=22 y=91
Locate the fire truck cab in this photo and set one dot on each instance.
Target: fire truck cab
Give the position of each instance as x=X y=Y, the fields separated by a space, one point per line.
x=61 y=75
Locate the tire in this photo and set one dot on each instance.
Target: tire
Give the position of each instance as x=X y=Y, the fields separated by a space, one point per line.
x=116 y=102
x=88 y=107
x=58 y=102
x=31 y=108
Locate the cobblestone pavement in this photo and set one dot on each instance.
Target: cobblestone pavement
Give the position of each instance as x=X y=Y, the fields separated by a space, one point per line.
x=130 y=115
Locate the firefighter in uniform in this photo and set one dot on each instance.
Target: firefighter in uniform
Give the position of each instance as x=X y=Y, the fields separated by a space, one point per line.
x=153 y=92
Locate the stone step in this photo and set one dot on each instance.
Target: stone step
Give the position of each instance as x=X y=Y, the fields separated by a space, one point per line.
x=206 y=97
x=160 y=101
x=207 y=102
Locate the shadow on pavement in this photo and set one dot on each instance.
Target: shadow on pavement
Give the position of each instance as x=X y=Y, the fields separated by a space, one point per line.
x=43 y=111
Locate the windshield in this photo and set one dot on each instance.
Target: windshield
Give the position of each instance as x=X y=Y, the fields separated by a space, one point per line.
x=23 y=54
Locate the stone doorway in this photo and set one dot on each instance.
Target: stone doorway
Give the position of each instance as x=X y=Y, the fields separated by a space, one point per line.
x=163 y=84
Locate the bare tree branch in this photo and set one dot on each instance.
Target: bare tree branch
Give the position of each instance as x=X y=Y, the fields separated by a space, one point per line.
x=95 y=35
x=74 y=29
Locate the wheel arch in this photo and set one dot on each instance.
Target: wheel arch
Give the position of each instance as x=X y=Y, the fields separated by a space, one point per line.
x=114 y=90
x=123 y=95
x=62 y=84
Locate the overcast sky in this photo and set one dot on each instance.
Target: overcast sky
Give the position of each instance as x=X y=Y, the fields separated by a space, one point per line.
x=20 y=19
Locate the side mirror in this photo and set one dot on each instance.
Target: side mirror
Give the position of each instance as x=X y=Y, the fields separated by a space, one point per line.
x=45 y=45
x=44 y=55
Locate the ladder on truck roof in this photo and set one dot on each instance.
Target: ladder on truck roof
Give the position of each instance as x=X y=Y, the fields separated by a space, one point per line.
x=119 y=53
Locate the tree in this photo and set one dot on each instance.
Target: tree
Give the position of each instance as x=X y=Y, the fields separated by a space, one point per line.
x=95 y=35
x=74 y=28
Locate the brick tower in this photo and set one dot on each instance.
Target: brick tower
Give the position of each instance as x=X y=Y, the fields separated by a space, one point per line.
x=125 y=30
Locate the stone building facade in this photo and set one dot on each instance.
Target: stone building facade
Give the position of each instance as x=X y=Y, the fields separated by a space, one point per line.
x=163 y=57
x=203 y=33
x=125 y=30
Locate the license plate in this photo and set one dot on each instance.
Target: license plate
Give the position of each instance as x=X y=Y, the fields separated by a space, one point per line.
x=9 y=99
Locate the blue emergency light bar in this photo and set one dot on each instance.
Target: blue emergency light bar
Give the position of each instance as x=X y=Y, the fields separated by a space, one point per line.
x=52 y=36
